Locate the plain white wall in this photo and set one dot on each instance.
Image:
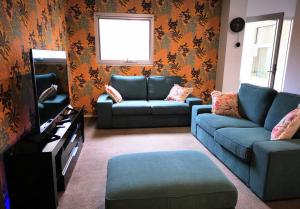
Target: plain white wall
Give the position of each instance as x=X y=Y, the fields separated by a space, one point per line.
x=292 y=75
x=229 y=61
x=229 y=64
x=262 y=7
x=222 y=44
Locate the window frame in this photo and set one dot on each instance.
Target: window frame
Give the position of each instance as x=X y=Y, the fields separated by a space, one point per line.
x=126 y=16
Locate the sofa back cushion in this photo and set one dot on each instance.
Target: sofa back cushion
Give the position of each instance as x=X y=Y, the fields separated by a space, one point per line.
x=130 y=87
x=160 y=86
x=254 y=102
x=282 y=105
x=44 y=81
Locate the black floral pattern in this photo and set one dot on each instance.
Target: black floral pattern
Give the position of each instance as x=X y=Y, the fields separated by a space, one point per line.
x=4 y=45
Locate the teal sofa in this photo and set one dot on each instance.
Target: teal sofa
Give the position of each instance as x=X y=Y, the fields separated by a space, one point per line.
x=144 y=104
x=270 y=168
x=51 y=106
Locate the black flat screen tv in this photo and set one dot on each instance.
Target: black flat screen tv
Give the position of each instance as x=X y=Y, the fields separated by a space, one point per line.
x=49 y=71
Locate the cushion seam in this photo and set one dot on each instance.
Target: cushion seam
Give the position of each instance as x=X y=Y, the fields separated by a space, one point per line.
x=232 y=141
x=177 y=197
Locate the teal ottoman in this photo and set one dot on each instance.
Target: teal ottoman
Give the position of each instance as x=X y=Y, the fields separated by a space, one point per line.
x=167 y=180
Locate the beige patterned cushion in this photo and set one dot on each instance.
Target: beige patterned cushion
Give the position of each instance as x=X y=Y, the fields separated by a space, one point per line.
x=288 y=126
x=179 y=93
x=113 y=93
x=48 y=93
x=225 y=104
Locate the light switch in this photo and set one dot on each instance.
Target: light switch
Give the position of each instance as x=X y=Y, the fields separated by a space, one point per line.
x=298 y=105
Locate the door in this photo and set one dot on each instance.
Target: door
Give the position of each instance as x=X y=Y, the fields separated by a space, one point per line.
x=260 y=49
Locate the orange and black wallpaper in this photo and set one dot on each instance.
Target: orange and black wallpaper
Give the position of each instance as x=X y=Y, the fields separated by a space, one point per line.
x=24 y=25
x=185 y=44
x=186 y=37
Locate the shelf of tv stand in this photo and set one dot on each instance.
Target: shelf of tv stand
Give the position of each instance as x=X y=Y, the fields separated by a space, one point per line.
x=38 y=166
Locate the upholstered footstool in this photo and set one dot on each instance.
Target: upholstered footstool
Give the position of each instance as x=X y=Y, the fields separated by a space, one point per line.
x=167 y=180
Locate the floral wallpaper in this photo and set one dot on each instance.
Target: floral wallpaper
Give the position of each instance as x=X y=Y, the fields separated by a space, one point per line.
x=24 y=24
x=186 y=44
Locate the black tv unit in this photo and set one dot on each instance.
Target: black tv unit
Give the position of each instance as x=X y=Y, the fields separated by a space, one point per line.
x=40 y=165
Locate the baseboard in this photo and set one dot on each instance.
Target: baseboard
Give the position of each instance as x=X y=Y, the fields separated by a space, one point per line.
x=90 y=116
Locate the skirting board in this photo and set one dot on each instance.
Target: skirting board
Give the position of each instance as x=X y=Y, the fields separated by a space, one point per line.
x=90 y=116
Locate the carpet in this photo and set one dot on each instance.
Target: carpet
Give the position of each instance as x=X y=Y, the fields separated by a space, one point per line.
x=86 y=189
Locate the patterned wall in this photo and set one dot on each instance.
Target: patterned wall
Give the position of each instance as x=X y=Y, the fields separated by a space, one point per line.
x=186 y=44
x=24 y=24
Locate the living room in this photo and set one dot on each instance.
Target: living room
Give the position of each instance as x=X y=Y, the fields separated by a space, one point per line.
x=149 y=104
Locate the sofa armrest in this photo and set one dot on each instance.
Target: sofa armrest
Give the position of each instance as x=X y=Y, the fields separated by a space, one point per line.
x=104 y=111
x=196 y=110
x=191 y=101
x=275 y=169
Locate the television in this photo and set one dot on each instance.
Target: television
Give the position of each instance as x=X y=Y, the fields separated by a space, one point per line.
x=49 y=70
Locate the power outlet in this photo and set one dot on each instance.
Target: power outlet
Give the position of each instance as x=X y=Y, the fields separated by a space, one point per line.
x=298 y=105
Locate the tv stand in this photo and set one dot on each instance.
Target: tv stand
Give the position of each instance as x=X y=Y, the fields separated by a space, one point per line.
x=40 y=165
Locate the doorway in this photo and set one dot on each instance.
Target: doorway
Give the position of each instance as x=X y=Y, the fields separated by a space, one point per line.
x=265 y=50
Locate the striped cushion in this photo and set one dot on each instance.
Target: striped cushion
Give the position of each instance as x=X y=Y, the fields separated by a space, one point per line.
x=113 y=93
x=48 y=93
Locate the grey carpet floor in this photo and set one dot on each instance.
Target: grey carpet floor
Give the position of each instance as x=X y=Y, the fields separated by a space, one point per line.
x=86 y=189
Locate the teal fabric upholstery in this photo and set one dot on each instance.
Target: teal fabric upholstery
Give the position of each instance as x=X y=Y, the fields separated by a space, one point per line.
x=104 y=111
x=146 y=121
x=59 y=99
x=130 y=87
x=136 y=107
x=44 y=81
x=198 y=109
x=160 y=86
x=254 y=102
x=160 y=180
x=234 y=163
x=191 y=101
x=211 y=122
x=275 y=170
x=282 y=105
x=270 y=168
x=161 y=107
x=239 y=141
x=53 y=105
x=137 y=110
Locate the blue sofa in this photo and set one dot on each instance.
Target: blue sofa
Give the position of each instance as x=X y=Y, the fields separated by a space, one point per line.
x=270 y=168
x=144 y=104
x=51 y=106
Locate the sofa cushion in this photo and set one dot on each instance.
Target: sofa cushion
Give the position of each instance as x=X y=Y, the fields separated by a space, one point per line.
x=282 y=105
x=160 y=86
x=211 y=122
x=58 y=99
x=239 y=141
x=130 y=87
x=138 y=107
x=161 y=107
x=165 y=180
x=255 y=101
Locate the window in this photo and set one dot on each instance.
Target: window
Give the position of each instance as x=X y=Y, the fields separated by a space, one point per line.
x=124 y=39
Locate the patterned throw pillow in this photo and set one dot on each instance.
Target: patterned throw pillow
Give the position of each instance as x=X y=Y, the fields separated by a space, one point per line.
x=48 y=93
x=288 y=126
x=225 y=104
x=179 y=93
x=113 y=93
